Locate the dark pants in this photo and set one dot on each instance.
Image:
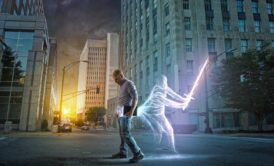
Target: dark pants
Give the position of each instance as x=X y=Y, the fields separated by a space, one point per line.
x=126 y=137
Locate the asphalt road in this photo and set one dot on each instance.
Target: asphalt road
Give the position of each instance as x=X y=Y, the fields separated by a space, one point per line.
x=95 y=148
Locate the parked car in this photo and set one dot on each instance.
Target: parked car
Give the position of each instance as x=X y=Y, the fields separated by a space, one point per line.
x=100 y=124
x=85 y=128
x=65 y=127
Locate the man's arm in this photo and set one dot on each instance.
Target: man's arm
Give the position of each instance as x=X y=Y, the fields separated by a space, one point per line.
x=133 y=107
x=133 y=93
x=174 y=95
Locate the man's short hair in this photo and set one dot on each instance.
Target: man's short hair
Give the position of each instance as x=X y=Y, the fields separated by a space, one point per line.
x=118 y=72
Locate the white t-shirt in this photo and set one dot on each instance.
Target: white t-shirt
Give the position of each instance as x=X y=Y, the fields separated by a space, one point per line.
x=120 y=111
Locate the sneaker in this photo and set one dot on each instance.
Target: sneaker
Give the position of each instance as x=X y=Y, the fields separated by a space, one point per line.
x=118 y=155
x=137 y=157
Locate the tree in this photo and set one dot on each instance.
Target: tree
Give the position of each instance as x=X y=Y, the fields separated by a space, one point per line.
x=246 y=82
x=94 y=114
x=9 y=62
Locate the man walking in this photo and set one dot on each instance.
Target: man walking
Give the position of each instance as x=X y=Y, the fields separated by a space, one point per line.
x=128 y=99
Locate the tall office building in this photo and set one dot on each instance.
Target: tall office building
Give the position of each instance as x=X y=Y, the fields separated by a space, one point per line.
x=174 y=37
x=50 y=101
x=23 y=28
x=22 y=7
x=102 y=56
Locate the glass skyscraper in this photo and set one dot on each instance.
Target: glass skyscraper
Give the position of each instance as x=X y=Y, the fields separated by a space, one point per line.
x=23 y=63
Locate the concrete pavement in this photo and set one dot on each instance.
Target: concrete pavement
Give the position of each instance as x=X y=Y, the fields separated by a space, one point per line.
x=95 y=148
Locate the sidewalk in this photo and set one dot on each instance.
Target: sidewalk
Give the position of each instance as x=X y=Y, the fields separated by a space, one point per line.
x=254 y=135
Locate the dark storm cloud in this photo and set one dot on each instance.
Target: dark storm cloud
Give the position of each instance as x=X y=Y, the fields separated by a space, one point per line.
x=72 y=22
x=82 y=19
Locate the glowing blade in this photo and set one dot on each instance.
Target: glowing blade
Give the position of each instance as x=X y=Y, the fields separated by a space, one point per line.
x=190 y=94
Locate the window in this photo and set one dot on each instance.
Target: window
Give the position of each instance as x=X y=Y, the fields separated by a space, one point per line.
x=147 y=66
x=208 y=5
x=228 y=46
x=271 y=26
x=13 y=73
x=168 y=71
x=240 y=6
x=147 y=3
x=226 y=25
x=189 y=65
x=154 y=25
x=211 y=44
x=1 y=3
x=269 y=8
x=141 y=70
x=167 y=49
x=188 y=45
x=155 y=61
x=259 y=45
x=166 y=9
x=224 y=5
x=141 y=43
x=185 y=4
x=20 y=43
x=167 y=28
x=209 y=23
x=244 y=45
x=187 y=23
x=257 y=26
x=241 y=25
x=255 y=7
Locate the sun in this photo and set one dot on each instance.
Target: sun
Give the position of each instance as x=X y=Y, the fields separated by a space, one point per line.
x=66 y=111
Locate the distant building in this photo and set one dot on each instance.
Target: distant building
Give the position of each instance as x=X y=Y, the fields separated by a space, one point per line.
x=95 y=78
x=50 y=102
x=111 y=116
x=23 y=28
x=174 y=38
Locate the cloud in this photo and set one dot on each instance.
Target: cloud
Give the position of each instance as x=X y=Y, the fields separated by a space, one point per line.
x=82 y=18
x=72 y=22
x=66 y=2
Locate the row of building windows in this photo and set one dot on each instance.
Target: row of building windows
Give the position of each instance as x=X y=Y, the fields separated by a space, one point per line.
x=239 y=5
x=254 y=6
x=228 y=45
x=187 y=26
x=226 y=25
x=244 y=45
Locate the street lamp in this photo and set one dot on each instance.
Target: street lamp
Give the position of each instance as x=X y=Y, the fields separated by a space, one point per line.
x=213 y=59
x=67 y=67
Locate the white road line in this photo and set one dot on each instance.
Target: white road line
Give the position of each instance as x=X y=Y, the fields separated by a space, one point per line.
x=263 y=140
x=2 y=138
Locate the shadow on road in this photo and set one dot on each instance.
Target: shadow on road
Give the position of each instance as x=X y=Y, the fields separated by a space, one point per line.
x=61 y=161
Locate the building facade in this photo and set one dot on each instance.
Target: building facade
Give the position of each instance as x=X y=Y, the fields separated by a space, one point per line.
x=95 y=78
x=174 y=37
x=111 y=113
x=51 y=102
x=23 y=28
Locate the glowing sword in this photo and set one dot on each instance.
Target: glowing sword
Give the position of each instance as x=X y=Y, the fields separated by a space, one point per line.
x=190 y=94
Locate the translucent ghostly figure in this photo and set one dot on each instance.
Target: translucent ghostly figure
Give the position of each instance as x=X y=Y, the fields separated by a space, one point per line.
x=152 y=112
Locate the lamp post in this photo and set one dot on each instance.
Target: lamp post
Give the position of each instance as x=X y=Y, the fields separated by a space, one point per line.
x=62 y=85
x=212 y=60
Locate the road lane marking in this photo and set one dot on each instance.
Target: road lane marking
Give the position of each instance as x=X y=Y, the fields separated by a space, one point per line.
x=2 y=138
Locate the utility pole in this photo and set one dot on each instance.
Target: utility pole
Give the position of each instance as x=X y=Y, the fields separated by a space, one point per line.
x=62 y=85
